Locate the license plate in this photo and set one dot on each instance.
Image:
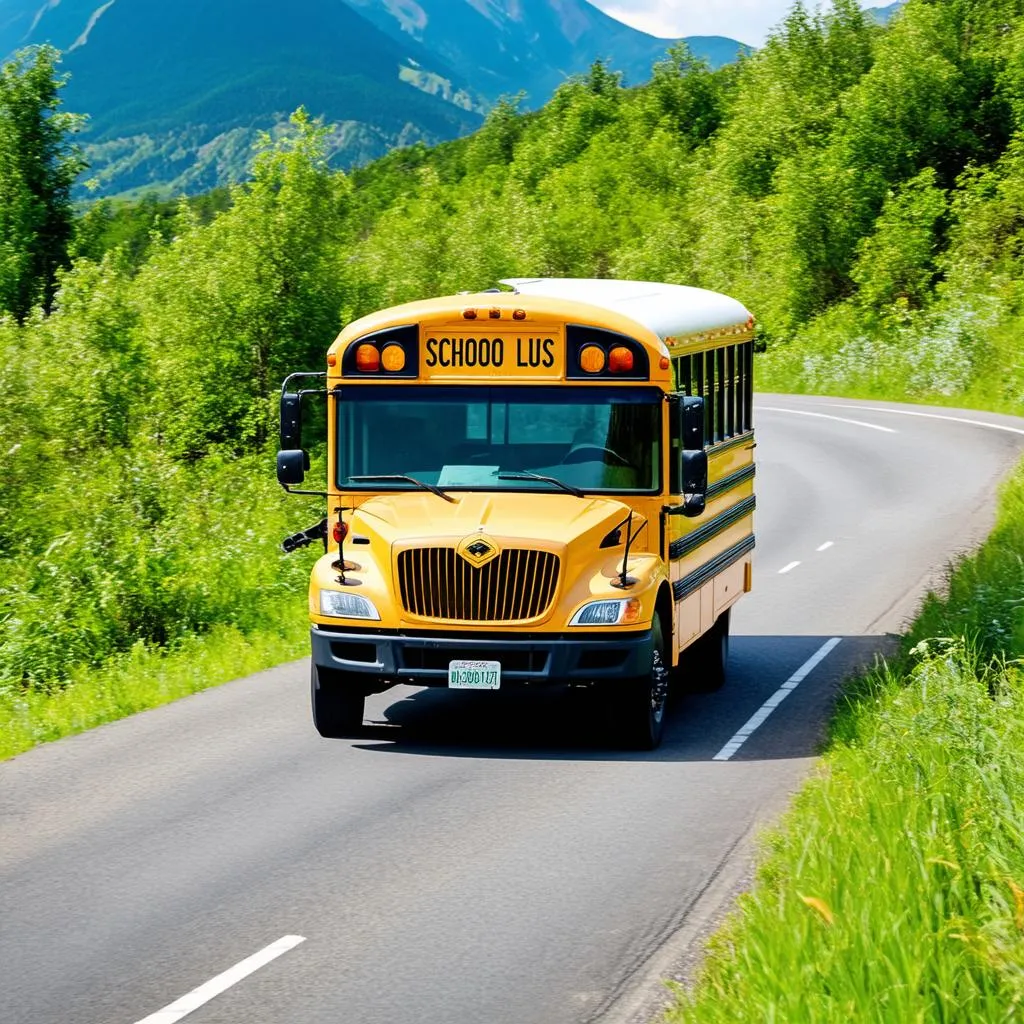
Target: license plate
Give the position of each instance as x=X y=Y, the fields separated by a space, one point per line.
x=474 y=675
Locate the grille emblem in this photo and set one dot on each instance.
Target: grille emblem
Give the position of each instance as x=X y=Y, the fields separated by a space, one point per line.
x=478 y=550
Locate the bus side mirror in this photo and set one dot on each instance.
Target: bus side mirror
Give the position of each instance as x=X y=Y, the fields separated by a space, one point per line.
x=691 y=423
x=692 y=481
x=291 y=466
x=291 y=421
x=693 y=475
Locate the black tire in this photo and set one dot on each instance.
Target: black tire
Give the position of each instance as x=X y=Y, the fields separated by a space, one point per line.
x=704 y=663
x=337 y=704
x=639 y=705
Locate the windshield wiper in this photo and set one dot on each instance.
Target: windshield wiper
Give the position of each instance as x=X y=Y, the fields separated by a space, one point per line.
x=386 y=477
x=523 y=474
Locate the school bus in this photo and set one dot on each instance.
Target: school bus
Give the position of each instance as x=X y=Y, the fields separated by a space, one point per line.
x=549 y=484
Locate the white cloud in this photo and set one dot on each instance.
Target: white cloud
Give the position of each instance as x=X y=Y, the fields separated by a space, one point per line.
x=746 y=20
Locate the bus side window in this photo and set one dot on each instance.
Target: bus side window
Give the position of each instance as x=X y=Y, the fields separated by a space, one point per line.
x=724 y=379
x=748 y=386
x=722 y=403
x=710 y=393
x=732 y=424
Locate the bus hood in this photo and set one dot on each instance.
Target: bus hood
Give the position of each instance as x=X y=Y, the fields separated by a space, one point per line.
x=547 y=521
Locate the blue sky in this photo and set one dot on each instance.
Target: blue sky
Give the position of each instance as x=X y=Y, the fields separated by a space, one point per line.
x=746 y=20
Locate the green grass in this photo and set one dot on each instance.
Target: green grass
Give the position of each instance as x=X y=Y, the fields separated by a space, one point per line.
x=142 y=678
x=894 y=889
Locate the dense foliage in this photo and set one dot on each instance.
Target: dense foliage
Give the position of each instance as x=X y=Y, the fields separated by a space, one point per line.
x=861 y=188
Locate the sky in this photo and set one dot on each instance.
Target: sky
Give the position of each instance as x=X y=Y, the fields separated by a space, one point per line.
x=745 y=20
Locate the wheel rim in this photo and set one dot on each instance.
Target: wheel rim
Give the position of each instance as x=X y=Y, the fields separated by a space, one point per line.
x=659 y=687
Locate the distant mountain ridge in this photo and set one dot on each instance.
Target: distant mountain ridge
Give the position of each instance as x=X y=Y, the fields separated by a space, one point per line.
x=176 y=94
x=883 y=15
x=529 y=45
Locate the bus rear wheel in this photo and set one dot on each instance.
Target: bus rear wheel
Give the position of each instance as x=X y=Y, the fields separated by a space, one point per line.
x=337 y=704
x=705 y=661
x=638 y=705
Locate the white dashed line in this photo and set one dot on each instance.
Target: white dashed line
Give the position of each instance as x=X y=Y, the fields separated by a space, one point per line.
x=837 y=419
x=215 y=986
x=788 y=568
x=828 y=544
x=761 y=715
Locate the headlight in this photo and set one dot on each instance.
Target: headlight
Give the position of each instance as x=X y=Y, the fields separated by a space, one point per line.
x=344 y=605
x=608 y=613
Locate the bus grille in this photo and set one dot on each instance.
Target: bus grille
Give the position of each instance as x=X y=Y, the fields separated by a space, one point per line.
x=438 y=583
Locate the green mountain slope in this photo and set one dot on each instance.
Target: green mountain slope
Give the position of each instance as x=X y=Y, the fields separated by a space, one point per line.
x=507 y=46
x=177 y=95
x=883 y=15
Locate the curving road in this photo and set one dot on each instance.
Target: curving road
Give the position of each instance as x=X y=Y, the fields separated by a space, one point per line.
x=469 y=861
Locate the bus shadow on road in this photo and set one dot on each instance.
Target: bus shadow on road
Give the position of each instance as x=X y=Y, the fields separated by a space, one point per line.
x=558 y=724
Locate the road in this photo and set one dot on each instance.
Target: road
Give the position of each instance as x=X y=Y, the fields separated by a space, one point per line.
x=471 y=860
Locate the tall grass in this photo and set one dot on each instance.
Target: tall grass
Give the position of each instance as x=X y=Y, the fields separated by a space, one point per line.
x=145 y=677
x=894 y=890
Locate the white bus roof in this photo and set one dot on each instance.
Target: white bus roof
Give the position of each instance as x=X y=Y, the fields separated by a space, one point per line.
x=668 y=310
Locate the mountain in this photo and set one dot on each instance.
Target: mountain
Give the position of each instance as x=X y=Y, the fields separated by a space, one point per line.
x=177 y=93
x=507 y=46
x=883 y=15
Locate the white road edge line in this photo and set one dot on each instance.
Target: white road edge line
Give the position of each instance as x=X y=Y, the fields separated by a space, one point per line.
x=761 y=715
x=933 y=416
x=828 y=544
x=788 y=568
x=825 y=416
x=198 y=996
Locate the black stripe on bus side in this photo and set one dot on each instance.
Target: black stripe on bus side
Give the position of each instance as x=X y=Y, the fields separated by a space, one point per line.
x=696 y=579
x=712 y=528
x=727 y=483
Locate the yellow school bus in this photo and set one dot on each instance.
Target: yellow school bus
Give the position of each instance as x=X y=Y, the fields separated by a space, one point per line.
x=549 y=484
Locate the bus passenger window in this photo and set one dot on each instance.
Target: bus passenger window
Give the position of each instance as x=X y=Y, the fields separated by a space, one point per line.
x=732 y=424
x=748 y=386
x=709 y=397
x=722 y=399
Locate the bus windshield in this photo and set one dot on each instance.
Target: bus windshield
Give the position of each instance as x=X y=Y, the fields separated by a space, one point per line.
x=605 y=440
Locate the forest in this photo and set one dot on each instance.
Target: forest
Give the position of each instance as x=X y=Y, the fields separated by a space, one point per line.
x=860 y=188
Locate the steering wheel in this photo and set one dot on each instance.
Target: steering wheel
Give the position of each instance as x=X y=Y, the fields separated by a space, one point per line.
x=582 y=453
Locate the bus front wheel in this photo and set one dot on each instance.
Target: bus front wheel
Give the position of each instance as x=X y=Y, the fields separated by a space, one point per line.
x=337 y=706
x=638 y=705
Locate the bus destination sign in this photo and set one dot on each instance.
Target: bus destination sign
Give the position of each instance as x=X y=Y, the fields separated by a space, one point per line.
x=492 y=354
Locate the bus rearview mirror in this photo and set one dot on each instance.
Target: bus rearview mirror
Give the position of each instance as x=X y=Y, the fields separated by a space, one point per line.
x=291 y=466
x=691 y=427
x=693 y=476
x=291 y=421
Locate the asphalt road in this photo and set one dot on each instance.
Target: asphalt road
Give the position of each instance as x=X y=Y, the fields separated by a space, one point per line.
x=474 y=859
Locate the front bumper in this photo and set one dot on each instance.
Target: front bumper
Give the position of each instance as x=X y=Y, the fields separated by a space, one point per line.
x=383 y=658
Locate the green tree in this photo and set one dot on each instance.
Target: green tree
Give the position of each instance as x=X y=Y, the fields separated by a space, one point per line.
x=230 y=307
x=38 y=166
x=896 y=264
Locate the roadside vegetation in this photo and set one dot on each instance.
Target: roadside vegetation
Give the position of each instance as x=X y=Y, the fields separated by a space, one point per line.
x=861 y=188
x=894 y=889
